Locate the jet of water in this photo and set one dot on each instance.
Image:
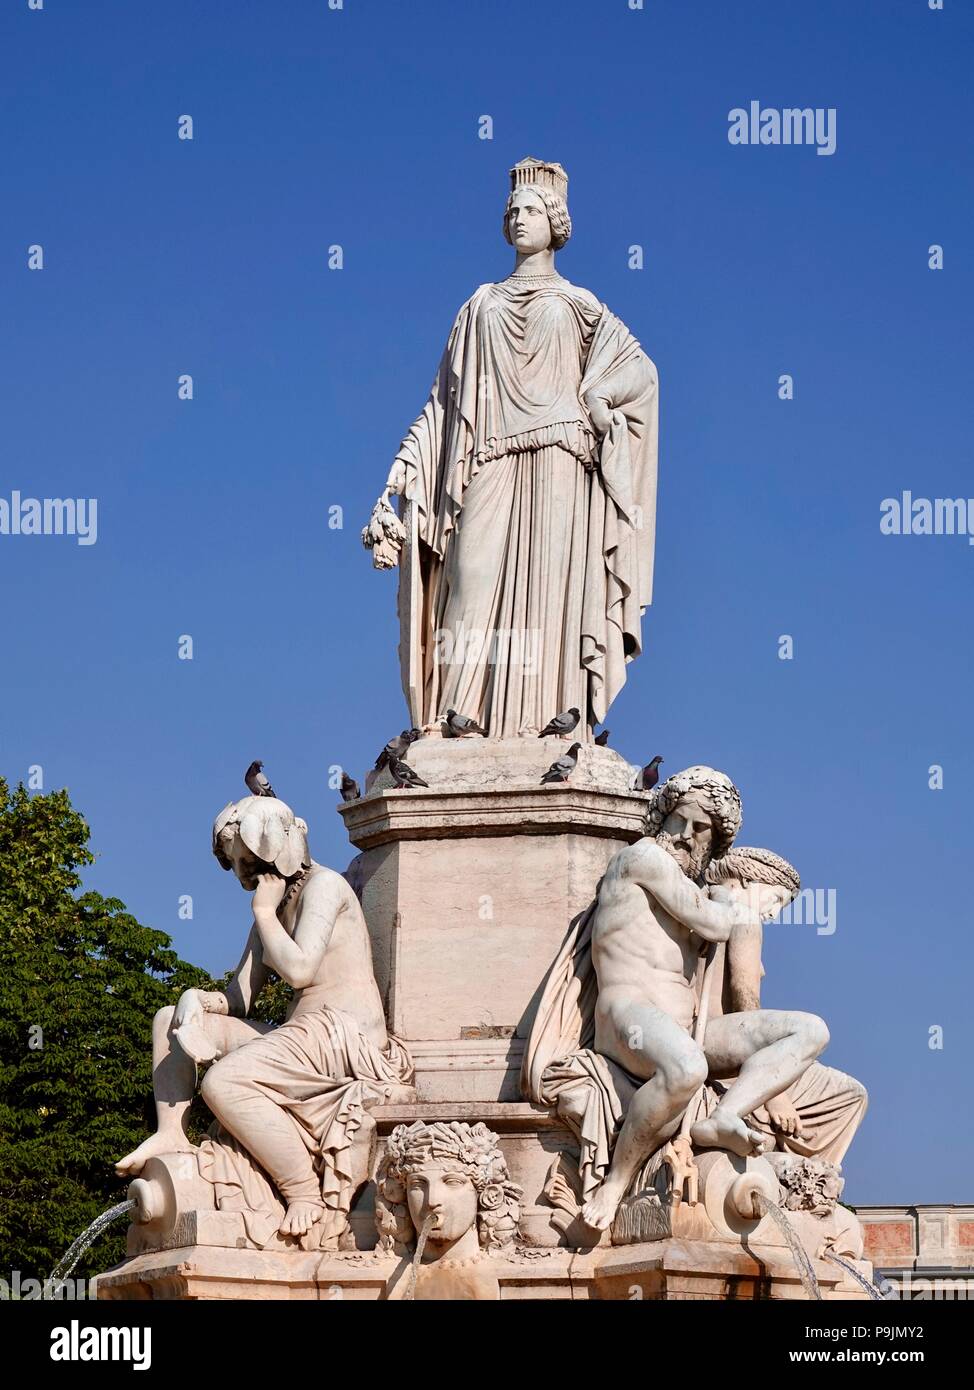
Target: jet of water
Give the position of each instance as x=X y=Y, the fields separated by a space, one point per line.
x=872 y=1289
x=798 y=1252
x=87 y=1238
x=417 y=1258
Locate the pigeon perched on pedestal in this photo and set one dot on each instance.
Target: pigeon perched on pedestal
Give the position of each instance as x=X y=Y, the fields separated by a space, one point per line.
x=396 y=747
x=650 y=775
x=257 y=783
x=602 y=739
x=460 y=725
x=562 y=768
x=562 y=723
x=403 y=775
x=350 y=788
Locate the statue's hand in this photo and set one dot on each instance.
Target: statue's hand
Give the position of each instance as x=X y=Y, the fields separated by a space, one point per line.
x=783 y=1115
x=270 y=893
x=189 y=1009
x=396 y=481
x=599 y=414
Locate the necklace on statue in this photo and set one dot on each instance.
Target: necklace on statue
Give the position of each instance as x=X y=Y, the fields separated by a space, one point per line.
x=294 y=886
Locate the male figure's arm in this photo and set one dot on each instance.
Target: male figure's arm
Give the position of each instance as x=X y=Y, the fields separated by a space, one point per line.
x=298 y=958
x=658 y=872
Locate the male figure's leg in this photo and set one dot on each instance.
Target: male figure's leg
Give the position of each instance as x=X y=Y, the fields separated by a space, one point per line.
x=648 y=1043
x=768 y=1049
x=174 y=1081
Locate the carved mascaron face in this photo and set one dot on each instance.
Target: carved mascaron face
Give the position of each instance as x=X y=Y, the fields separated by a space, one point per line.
x=444 y=1192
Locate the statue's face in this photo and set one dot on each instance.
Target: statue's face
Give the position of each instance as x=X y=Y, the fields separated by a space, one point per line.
x=243 y=862
x=527 y=223
x=764 y=900
x=769 y=899
x=447 y=1194
x=688 y=833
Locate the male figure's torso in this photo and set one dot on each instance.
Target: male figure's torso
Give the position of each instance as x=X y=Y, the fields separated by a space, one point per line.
x=639 y=950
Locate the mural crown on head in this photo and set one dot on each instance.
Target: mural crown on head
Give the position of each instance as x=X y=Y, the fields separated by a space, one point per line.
x=539 y=174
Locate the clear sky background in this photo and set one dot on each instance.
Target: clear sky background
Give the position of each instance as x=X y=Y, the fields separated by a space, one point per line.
x=360 y=127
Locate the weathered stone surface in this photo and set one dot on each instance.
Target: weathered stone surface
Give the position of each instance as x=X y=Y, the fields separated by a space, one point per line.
x=469 y=887
x=665 y=1270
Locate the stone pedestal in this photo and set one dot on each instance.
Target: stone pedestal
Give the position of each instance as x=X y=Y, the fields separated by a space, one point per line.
x=469 y=887
x=664 y=1270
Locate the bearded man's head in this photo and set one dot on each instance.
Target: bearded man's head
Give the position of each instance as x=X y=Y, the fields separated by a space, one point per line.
x=695 y=815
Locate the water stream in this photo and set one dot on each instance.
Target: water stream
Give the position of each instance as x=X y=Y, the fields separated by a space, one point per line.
x=417 y=1258
x=802 y=1263
x=87 y=1238
x=872 y=1289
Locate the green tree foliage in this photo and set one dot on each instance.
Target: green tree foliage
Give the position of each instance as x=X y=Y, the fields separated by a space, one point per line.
x=271 y=1004
x=80 y=980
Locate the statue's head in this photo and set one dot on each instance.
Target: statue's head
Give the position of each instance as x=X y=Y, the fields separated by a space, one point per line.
x=260 y=835
x=757 y=873
x=695 y=815
x=536 y=216
x=453 y=1176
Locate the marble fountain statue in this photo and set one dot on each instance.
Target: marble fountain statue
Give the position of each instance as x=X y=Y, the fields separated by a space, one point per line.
x=525 y=1054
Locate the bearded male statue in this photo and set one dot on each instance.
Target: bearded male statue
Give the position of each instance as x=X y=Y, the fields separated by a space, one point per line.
x=619 y=1044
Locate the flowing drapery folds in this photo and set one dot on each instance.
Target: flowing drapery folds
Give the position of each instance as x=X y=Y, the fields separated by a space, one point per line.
x=530 y=540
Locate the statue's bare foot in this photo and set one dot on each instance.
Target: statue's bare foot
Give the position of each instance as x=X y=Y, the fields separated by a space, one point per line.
x=722 y=1131
x=132 y=1164
x=599 y=1211
x=300 y=1217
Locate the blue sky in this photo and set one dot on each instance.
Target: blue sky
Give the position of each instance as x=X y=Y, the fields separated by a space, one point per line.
x=359 y=127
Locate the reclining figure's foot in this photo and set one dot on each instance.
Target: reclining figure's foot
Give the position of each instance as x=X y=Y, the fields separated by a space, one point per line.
x=722 y=1131
x=132 y=1164
x=300 y=1217
x=599 y=1211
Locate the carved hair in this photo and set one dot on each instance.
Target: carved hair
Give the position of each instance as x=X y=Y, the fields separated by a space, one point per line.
x=721 y=797
x=755 y=866
x=471 y=1148
x=269 y=829
x=556 y=208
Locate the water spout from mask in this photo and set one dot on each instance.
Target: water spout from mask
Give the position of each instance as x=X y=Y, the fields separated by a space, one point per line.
x=421 y=1239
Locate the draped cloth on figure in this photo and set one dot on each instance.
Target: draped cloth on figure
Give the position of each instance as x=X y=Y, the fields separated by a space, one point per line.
x=592 y=1093
x=324 y=1073
x=529 y=543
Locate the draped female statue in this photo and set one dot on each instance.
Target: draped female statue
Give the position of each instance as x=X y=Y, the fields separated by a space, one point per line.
x=529 y=495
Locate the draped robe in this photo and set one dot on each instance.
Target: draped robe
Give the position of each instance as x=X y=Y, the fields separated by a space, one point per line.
x=529 y=552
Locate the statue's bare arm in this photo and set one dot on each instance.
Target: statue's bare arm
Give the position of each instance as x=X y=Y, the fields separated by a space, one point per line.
x=658 y=873
x=744 y=968
x=297 y=959
x=249 y=978
x=238 y=996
